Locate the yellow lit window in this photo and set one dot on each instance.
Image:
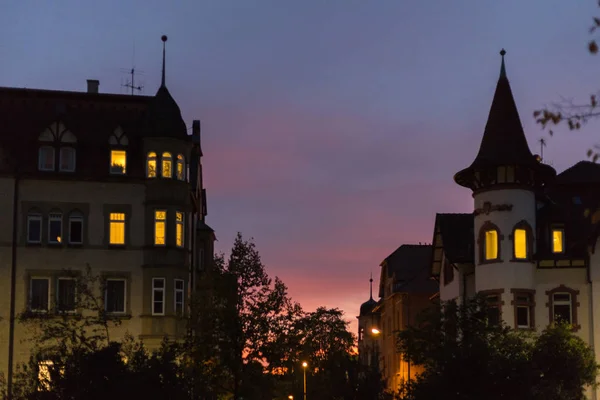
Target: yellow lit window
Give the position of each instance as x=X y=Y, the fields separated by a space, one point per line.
x=180 y=167
x=117 y=228
x=167 y=162
x=118 y=161
x=558 y=240
x=520 y=241
x=179 y=231
x=160 y=222
x=151 y=165
x=491 y=245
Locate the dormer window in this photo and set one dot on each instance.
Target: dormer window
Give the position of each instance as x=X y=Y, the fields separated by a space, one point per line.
x=180 y=167
x=167 y=163
x=57 y=140
x=558 y=240
x=151 y=165
x=489 y=243
x=118 y=153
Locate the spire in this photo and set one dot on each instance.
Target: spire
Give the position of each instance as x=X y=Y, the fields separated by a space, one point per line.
x=164 y=40
x=502 y=67
x=371 y=287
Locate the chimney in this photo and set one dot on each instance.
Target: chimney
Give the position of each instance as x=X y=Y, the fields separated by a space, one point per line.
x=92 y=85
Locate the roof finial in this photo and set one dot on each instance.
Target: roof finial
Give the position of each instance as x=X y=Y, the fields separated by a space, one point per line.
x=502 y=68
x=371 y=287
x=164 y=40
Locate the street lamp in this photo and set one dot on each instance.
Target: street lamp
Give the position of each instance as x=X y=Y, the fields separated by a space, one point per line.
x=375 y=331
x=304 y=365
x=291 y=397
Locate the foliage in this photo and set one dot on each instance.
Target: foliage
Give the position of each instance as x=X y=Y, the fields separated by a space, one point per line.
x=464 y=356
x=573 y=114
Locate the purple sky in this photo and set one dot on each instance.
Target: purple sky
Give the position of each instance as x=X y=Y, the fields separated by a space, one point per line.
x=331 y=129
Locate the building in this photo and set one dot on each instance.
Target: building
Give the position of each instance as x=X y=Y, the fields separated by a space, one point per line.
x=405 y=289
x=530 y=243
x=105 y=180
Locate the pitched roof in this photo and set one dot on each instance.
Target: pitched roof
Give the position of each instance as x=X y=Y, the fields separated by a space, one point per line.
x=457 y=236
x=584 y=172
x=409 y=265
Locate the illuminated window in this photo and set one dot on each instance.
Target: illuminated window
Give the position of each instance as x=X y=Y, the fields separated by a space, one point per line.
x=114 y=296
x=65 y=295
x=491 y=244
x=46 y=158
x=179 y=291
x=180 y=167
x=151 y=165
x=160 y=222
x=180 y=229
x=520 y=243
x=158 y=296
x=167 y=163
x=118 y=162
x=117 y=228
x=39 y=294
x=558 y=240
x=55 y=228
x=67 y=159
x=34 y=228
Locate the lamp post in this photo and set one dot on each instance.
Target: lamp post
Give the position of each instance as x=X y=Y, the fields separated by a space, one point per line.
x=304 y=365
x=374 y=334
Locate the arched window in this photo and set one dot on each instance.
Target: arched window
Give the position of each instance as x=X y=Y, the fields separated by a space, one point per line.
x=522 y=241
x=151 y=165
x=180 y=167
x=57 y=137
x=55 y=227
x=34 y=226
x=489 y=243
x=167 y=163
x=118 y=152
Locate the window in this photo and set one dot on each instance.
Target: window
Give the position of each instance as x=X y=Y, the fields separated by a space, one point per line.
x=67 y=159
x=494 y=305
x=524 y=308
x=118 y=162
x=55 y=228
x=114 y=296
x=76 y=228
x=179 y=224
x=34 y=228
x=65 y=295
x=39 y=294
x=166 y=165
x=179 y=291
x=563 y=305
x=151 y=165
x=158 y=296
x=558 y=240
x=491 y=245
x=520 y=242
x=160 y=222
x=117 y=228
x=180 y=167
x=46 y=158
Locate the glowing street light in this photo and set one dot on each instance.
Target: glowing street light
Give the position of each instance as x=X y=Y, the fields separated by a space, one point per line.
x=304 y=365
x=291 y=397
x=375 y=331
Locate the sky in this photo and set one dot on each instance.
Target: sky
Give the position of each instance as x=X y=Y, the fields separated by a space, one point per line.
x=331 y=129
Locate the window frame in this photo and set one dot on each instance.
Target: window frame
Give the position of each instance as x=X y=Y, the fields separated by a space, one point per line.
x=179 y=291
x=574 y=304
x=482 y=243
x=162 y=290
x=529 y=304
x=563 y=241
x=157 y=222
x=48 y=300
x=60 y=158
x=111 y=166
x=35 y=216
x=180 y=163
x=55 y=216
x=75 y=216
x=115 y=279
x=58 y=280
x=166 y=158
x=112 y=221
x=151 y=157
x=522 y=225
x=179 y=228
x=53 y=153
x=494 y=304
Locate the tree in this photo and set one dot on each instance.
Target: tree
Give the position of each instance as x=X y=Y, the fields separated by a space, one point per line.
x=465 y=356
x=573 y=114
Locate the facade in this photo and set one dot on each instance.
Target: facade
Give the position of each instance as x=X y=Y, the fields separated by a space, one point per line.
x=530 y=243
x=113 y=182
x=405 y=289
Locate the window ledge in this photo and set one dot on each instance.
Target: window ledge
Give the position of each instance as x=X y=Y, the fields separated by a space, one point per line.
x=117 y=246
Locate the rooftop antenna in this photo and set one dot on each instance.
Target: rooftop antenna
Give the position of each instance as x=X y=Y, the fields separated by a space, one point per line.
x=130 y=84
x=542 y=142
x=371 y=287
